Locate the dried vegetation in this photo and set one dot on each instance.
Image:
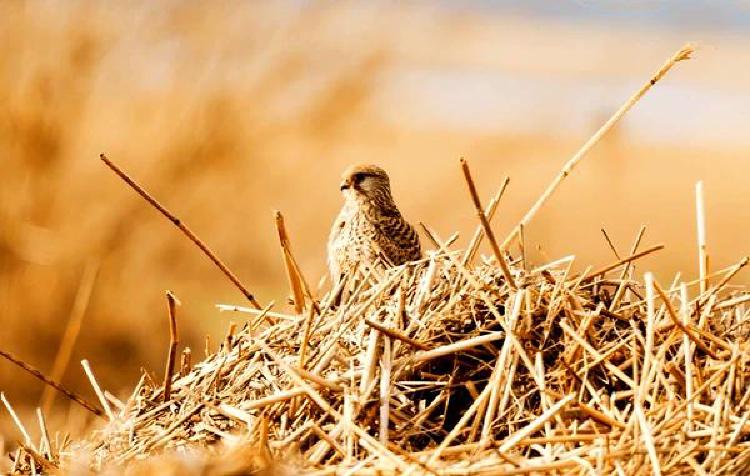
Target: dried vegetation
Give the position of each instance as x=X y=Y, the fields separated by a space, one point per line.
x=456 y=364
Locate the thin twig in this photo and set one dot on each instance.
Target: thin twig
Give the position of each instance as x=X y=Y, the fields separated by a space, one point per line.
x=16 y=420
x=291 y=270
x=57 y=386
x=537 y=423
x=97 y=389
x=306 y=337
x=700 y=221
x=73 y=328
x=678 y=322
x=486 y=225
x=46 y=445
x=396 y=334
x=185 y=230
x=174 y=340
x=608 y=268
x=683 y=54
x=185 y=361
x=489 y=212
x=609 y=242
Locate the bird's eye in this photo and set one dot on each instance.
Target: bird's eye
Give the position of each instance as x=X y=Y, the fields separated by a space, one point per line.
x=359 y=178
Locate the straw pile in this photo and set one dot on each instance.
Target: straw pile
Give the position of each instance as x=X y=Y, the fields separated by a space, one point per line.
x=456 y=364
x=446 y=367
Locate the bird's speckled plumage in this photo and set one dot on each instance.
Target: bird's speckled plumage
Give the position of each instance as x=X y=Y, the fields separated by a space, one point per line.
x=369 y=229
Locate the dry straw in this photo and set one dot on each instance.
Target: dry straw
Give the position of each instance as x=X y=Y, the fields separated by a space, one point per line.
x=174 y=340
x=53 y=384
x=73 y=328
x=467 y=384
x=182 y=227
x=681 y=55
x=443 y=366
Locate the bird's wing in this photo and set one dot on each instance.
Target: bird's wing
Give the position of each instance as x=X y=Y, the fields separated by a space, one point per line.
x=401 y=241
x=334 y=245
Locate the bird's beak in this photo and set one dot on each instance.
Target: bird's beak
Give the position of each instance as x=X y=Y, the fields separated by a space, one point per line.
x=345 y=185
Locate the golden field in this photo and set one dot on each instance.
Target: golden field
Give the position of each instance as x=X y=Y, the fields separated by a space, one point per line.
x=230 y=111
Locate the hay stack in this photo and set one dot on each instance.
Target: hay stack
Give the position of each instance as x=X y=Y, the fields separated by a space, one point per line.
x=452 y=367
x=441 y=367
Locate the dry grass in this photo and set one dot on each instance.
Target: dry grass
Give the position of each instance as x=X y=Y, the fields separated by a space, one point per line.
x=83 y=264
x=438 y=367
x=64 y=97
x=276 y=105
x=449 y=365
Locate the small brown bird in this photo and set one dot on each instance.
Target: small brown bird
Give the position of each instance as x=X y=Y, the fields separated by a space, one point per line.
x=369 y=229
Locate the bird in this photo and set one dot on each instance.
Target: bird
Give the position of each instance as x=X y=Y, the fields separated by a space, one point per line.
x=369 y=231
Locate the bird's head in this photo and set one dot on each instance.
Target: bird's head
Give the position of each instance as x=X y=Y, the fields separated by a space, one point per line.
x=366 y=182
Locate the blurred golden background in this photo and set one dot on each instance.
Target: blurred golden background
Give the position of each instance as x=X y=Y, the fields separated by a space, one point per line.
x=227 y=111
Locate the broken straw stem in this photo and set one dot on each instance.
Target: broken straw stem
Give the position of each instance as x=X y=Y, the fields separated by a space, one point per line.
x=486 y=225
x=683 y=54
x=72 y=329
x=97 y=389
x=489 y=212
x=183 y=228
x=291 y=271
x=683 y=327
x=623 y=261
x=700 y=221
x=174 y=339
x=57 y=386
x=16 y=420
x=395 y=334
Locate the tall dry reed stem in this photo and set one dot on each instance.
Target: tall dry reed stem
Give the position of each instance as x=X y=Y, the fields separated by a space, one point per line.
x=681 y=55
x=183 y=228
x=486 y=224
x=70 y=336
x=48 y=381
x=290 y=264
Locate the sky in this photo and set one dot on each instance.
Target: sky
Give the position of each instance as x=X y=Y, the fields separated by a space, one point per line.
x=700 y=105
x=704 y=14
